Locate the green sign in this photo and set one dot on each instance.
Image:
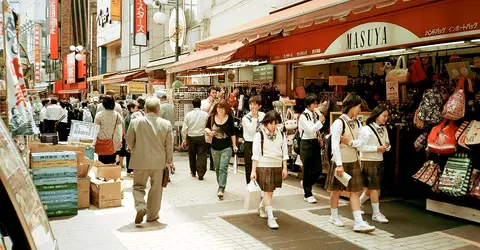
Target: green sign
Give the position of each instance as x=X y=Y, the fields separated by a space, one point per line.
x=264 y=73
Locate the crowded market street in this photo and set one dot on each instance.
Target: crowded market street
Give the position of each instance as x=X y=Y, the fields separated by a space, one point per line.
x=192 y=217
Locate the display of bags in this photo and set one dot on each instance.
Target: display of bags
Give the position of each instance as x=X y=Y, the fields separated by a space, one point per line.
x=399 y=74
x=252 y=196
x=431 y=106
x=416 y=120
x=454 y=109
x=290 y=120
x=441 y=139
x=421 y=142
x=473 y=135
x=456 y=175
x=418 y=72
x=461 y=134
x=428 y=174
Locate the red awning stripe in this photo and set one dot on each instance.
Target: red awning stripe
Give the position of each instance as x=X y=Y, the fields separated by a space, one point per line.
x=125 y=77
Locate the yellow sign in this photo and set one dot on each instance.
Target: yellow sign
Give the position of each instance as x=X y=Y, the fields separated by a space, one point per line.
x=337 y=80
x=116 y=10
x=116 y=89
x=136 y=87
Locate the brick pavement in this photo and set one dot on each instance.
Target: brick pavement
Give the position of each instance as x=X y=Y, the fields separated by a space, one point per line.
x=190 y=218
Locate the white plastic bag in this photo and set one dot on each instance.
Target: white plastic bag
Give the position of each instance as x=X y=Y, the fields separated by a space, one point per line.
x=252 y=196
x=235 y=165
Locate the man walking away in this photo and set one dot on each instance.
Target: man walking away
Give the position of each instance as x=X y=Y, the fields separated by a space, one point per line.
x=85 y=114
x=166 y=110
x=150 y=141
x=54 y=114
x=93 y=106
x=193 y=132
x=43 y=114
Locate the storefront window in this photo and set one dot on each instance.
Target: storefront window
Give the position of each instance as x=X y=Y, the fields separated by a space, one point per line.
x=191 y=12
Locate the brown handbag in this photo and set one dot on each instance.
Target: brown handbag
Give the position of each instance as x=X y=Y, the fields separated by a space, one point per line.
x=208 y=138
x=105 y=146
x=166 y=176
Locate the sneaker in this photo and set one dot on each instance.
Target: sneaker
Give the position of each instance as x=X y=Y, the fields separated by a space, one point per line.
x=272 y=224
x=140 y=215
x=262 y=213
x=379 y=217
x=335 y=220
x=310 y=199
x=363 y=227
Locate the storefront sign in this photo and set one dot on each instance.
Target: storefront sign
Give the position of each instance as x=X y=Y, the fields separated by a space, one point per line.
x=116 y=14
x=140 y=23
x=337 y=80
x=84 y=132
x=108 y=29
x=71 y=68
x=392 y=30
x=36 y=61
x=172 y=28
x=264 y=73
x=136 y=87
x=392 y=92
x=53 y=29
x=114 y=88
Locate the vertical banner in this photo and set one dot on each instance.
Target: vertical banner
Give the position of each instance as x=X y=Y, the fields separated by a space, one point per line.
x=392 y=92
x=53 y=29
x=115 y=5
x=20 y=112
x=71 y=77
x=1 y=30
x=140 y=24
x=36 y=39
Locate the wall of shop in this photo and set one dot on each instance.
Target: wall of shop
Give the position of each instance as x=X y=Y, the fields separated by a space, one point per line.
x=315 y=72
x=245 y=74
x=281 y=78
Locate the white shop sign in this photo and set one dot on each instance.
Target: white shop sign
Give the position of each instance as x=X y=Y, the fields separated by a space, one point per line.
x=83 y=132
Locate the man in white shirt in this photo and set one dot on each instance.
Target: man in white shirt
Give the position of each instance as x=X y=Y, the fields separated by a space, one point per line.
x=193 y=132
x=117 y=108
x=250 y=124
x=43 y=114
x=309 y=125
x=54 y=114
x=207 y=106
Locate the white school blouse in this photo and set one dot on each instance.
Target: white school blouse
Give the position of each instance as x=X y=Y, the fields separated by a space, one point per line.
x=274 y=152
x=369 y=151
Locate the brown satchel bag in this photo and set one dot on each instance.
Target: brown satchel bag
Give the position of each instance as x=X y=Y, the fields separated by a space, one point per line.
x=208 y=138
x=166 y=176
x=105 y=146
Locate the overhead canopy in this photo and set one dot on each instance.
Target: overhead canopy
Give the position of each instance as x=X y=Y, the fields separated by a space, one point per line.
x=206 y=57
x=125 y=77
x=71 y=91
x=300 y=16
x=99 y=77
x=163 y=63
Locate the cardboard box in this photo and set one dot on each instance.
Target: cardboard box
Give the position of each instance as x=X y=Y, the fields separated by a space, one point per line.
x=109 y=172
x=80 y=150
x=106 y=194
x=83 y=192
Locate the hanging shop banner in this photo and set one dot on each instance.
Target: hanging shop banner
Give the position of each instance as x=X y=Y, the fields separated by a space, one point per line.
x=182 y=28
x=1 y=31
x=337 y=80
x=116 y=6
x=36 y=40
x=392 y=92
x=20 y=112
x=53 y=29
x=71 y=68
x=140 y=24
x=406 y=27
x=136 y=87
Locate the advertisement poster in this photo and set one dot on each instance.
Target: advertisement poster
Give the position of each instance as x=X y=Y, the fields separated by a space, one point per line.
x=392 y=92
x=140 y=23
x=16 y=178
x=20 y=117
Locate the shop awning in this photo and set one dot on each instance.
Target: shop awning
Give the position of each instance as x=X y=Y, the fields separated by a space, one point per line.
x=206 y=57
x=99 y=77
x=125 y=77
x=300 y=16
x=163 y=63
x=71 y=91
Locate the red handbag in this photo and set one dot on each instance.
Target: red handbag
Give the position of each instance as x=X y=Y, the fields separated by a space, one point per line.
x=454 y=109
x=418 y=72
x=441 y=139
x=105 y=146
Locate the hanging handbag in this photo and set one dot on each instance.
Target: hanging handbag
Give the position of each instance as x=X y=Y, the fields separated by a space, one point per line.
x=418 y=72
x=475 y=184
x=455 y=178
x=421 y=142
x=399 y=74
x=301 y=92
x=416 y=120
x=290 y=120
x=454 y=109
x=461 y=134
x=441 y=139
x=428 y=174
x=473 y=135
x=208 y=138
x=105 y=146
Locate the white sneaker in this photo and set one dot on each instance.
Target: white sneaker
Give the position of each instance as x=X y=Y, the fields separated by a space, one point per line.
x=262 y=213
x=335 y=220
x=272 y=224
x=310 y=199
x=379 y=217
x=363 y=227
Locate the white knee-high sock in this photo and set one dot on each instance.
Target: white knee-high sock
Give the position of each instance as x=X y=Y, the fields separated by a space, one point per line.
x=357 y=215
x=376 y=208
x=262 y=205
x=334 y=212
x=269 y=212
x=363 y=198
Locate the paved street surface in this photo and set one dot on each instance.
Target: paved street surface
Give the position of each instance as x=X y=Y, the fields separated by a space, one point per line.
x=192 y=217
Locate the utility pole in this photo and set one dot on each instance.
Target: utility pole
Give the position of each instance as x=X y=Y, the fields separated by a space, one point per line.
x=177 y=30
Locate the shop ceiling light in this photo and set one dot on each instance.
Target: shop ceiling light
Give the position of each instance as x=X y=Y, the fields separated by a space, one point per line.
x=385 y=53
x=439 y=45
x=316 y=62
x=476 y=41
x=238 y=65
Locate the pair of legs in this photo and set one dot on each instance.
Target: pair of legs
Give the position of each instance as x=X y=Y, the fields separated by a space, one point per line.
x=312 y=166
x=372 y=175
x=221 y=160
x=197 y=156
x=266 y=210
x=247 y=156
x=150 y=208
x=209 y=149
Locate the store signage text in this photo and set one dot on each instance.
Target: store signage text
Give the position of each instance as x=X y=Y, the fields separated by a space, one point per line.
x=53 y=29
x=37 y=52
x=140 y=23
x=367 y=38
x=451 y=29
x=71 y=68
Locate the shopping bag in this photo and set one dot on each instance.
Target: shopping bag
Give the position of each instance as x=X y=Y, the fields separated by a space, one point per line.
x=252 y=196
x=456 y=175
x=235 y=165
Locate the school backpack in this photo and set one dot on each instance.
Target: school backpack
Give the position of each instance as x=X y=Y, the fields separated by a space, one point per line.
x=87 y=115
x=431 y=106
x=262 y=139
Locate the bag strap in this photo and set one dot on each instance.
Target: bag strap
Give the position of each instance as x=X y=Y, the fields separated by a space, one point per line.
x=376 y=134
x=115 y=127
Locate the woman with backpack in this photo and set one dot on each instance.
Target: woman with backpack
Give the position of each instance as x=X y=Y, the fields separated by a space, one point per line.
x=345 y=140
x=371 y=154
x=269 y=167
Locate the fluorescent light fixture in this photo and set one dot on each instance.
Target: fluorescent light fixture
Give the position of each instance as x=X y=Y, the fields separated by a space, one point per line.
x=476 y=41
x=202 y=75
x=388 y=52
x=316 y=62
x=238 y=65
x=439 y=45
x=345 y=58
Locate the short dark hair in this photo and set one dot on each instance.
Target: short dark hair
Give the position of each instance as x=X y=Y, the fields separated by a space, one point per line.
x=131 y=105
x=141 y=103
x=351 y=101
x=212 y=88
x=377 y=111
x=84 y=104
x=271 y=116
x=311 y=99
x=45 y=102
x=53 y=101
x=255 y=99
x=196 y=103
x=108 y=103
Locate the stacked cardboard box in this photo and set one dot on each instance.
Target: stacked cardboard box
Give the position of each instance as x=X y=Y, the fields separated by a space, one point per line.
x=55 y=177
x=105 y=185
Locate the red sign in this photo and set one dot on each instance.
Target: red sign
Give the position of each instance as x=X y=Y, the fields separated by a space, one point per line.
x=36 y=40
x=140 y=23
x=53 y=29
x=337 y=80
x=71 y=77
x=392 y=30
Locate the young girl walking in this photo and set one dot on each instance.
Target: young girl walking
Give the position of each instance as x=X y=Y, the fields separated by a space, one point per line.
x=269 y=168
x=377 y=142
